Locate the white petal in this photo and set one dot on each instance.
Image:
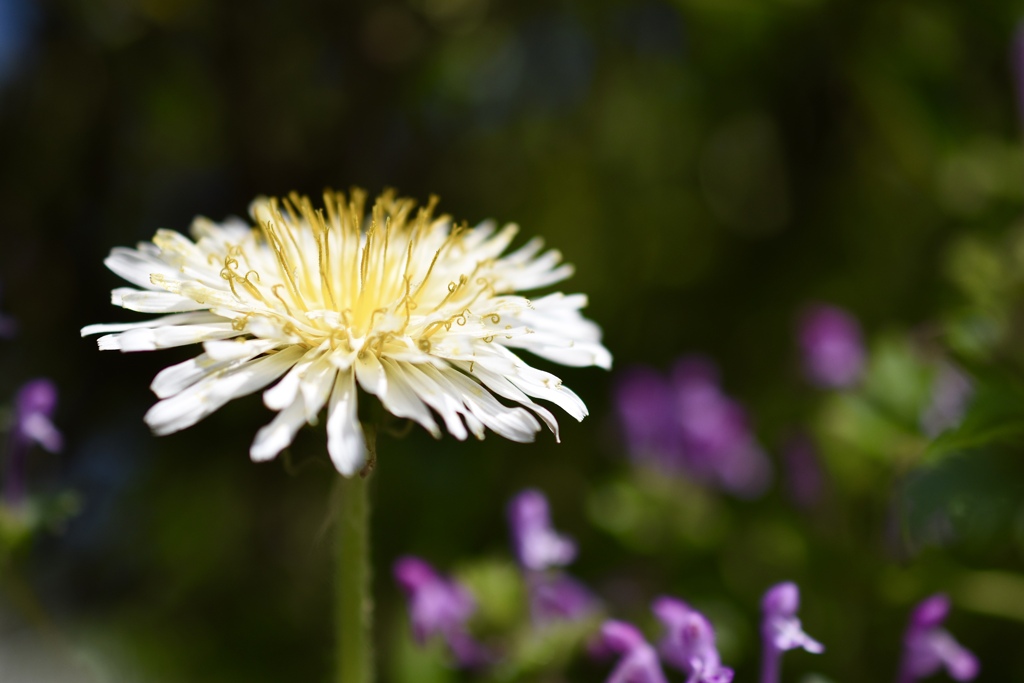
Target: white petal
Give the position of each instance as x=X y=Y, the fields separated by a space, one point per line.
x=540 y=384
x=137 y=266
x=231 y=231
x=345 y=442
x=173 y=244
x=275 y=437
x=237 y=349
x=579 y=354
x=313 y=383
x=370 y=373
x=202 y=398
x=480 y=232
x=153 y=302
x=175 y=378
x=173 y=319
x=500 y=385
x=435 y=396
x=513 y=274
x=152 y=338
x=316 y=387
x=524 y=253
x=497 y=243
x=282 y=394
x=512 y=423
x=401 y=400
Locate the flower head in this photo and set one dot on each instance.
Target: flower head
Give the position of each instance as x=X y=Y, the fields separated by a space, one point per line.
x=638 y=661
x=689 y=642
x=438 y=607
x=927 y=647
x=832 y=347
x=420 y=313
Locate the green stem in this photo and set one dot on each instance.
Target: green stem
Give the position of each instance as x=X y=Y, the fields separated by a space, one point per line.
x=353 y=600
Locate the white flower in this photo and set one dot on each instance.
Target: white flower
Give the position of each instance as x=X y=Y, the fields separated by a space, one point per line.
x=422 y=314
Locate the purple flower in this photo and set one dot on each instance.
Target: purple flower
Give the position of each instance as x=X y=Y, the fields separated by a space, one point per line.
x=689 y=642
x=781 y=629
x=438 y=607
x=557 y=596
x=541 y=551
x=644 y=400
x=638 y=662
x=538 y=546
x=833 y=351
x=715 y=436
x=687 y=423
x=927 y=647
x=34 y=406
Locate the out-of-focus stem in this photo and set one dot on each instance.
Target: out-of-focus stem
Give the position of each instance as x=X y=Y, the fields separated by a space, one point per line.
x=353 y=599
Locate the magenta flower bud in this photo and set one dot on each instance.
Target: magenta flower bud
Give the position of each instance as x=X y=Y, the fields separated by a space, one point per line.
x=438 y=607
x=689 y=642
x=638 y=661
x=832 y=347
x=538 y=546
x=928 y=648
x=781 y=629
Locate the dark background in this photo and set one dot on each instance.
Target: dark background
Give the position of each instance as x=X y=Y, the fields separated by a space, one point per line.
x=709 y=166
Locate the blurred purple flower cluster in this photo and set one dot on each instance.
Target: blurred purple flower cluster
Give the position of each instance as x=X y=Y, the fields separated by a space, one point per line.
x=831 y=346
x=542 y=552
x=689 y=641
x=440 y=606
x=638 y=660
x=686 y=423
